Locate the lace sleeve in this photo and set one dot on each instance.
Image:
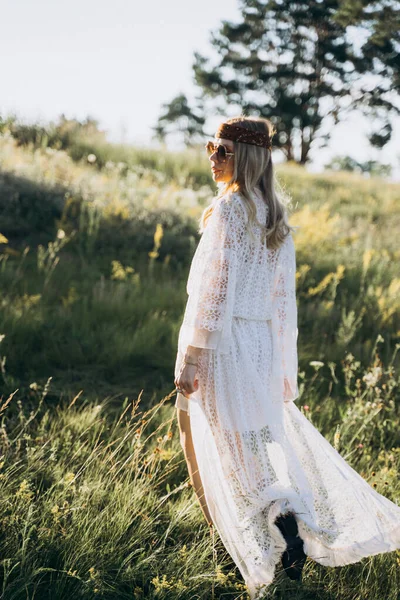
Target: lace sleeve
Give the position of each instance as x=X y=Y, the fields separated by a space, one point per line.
x=284 y=322
x=212 y=280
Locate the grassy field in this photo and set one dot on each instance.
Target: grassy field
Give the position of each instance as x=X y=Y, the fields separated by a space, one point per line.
x=94 y=256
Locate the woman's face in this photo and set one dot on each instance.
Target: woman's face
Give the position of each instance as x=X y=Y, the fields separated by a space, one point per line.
x=222 y=171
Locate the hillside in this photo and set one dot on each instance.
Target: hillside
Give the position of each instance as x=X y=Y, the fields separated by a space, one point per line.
x=94 y=257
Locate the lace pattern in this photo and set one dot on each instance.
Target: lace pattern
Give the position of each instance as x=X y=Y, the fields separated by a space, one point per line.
x=212 y=279
x=232 y=276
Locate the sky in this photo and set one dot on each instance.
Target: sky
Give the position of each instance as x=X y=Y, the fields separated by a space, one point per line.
x=119 y=61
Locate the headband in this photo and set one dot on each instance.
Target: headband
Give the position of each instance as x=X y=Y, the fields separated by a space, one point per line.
x=244 y=135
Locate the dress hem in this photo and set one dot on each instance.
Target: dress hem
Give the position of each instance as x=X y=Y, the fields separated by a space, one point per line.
x=316 y=551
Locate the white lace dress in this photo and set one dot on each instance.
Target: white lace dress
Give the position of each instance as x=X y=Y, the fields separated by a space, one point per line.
x=258 y=454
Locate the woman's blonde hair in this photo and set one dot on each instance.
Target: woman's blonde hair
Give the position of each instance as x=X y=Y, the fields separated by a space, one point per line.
x=253 y=168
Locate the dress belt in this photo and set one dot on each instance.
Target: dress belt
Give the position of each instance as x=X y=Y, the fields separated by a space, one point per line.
x=251 y=318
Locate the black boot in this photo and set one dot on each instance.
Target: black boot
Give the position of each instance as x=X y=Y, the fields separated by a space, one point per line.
x=294 y=557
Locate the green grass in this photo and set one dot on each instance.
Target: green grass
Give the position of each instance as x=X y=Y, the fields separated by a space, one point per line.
x=93 y=268
x=96 y=500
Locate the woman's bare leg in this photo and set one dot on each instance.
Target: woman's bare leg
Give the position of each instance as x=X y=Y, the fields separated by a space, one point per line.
x=193 y=469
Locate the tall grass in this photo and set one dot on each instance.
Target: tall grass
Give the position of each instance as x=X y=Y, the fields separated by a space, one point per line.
x=96 y=501
x=93 y=268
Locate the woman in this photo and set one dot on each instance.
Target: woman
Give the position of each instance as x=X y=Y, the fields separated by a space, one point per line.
x=270 y=483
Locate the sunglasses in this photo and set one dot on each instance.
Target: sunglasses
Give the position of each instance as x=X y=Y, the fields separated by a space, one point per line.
x=220 y=149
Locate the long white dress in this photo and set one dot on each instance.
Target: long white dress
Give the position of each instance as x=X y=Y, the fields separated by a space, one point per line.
x=258 y=454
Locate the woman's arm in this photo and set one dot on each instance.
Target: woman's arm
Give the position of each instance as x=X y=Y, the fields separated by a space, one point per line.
x=212 y=282
x=284 y=322
x=192 y=353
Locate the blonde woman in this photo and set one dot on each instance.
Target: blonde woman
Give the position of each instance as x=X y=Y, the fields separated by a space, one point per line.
x=271 y=485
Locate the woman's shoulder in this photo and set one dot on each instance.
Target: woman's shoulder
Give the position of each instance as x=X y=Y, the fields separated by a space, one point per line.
x=237 y=204
x=239 y=200
x=231 y=206
x=228 y=198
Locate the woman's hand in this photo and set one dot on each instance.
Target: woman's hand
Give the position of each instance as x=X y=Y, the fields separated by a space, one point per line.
x=187 y=380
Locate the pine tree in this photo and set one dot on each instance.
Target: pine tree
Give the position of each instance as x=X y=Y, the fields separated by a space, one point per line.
x=288 y=61
x=179 y=117
x=379 y=22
